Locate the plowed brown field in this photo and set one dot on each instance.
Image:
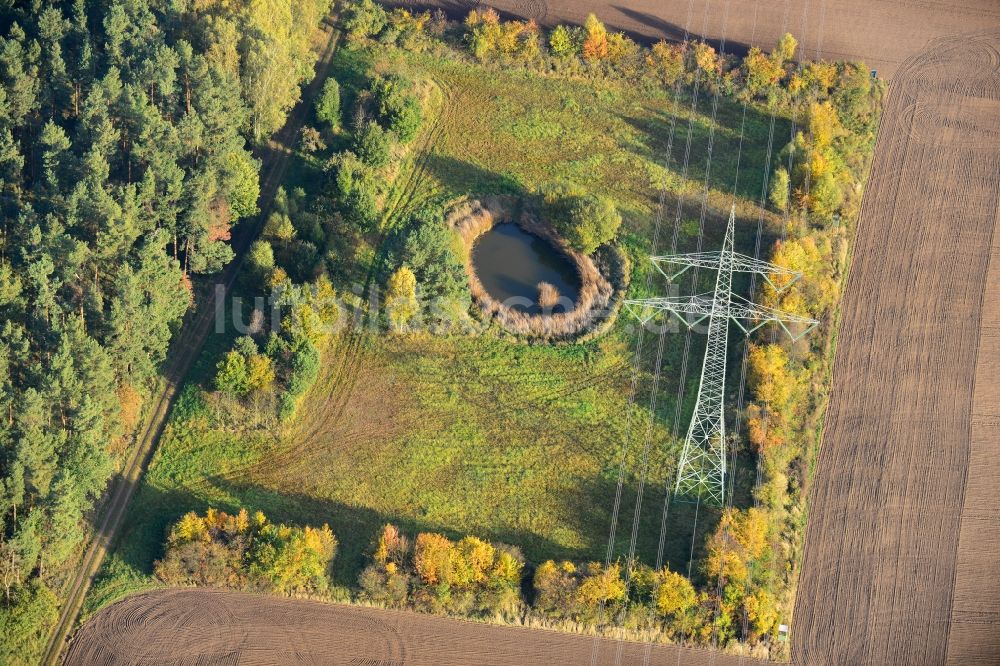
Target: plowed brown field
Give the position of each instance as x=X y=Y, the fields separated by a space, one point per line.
x=901 y=561
x=883 y=33
x=215 y=627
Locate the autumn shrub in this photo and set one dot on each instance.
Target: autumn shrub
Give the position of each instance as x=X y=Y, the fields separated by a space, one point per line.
x=410 y=30
x=244 y=551
x=401 y=298
x=490 y=38
x=665 y=61
x=436 y=574
x=310 y=140
x=244 y=369
x=566 y=590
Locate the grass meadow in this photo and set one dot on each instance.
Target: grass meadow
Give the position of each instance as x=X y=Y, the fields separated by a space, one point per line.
x=482 y=434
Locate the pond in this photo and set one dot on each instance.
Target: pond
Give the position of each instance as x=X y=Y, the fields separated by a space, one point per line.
x=511 y=263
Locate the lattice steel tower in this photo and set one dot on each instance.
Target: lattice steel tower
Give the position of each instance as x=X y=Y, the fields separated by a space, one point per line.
x=702 y=467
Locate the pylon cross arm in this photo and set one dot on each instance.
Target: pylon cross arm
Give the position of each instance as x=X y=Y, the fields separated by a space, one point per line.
x=672 y=266
x=747 y=315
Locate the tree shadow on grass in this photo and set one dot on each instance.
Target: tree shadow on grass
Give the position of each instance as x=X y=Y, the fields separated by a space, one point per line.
x=141 y=541
x=356 y=527
x=461 y=177
x=733 y=161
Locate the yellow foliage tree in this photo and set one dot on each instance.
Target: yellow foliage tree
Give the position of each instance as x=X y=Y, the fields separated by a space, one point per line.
x=241 y=521
x=304 y=320
x=595 y=43
x=476 y=557
x=260 y=372
x=601 y=585
x=667 y=61
x=706 y=60
x=432 y=558
x=813 y=257
x=324 y=300
x=770 y=378
x=401 y=298
x=620 y=47
x=675 y=594
x=739 y=540
x=507 y=569
x=762 y=613
x=820 y=75
x=760 y=71
x=785 y=49
x=824 y=124
x=190 y=527
x=764 y=428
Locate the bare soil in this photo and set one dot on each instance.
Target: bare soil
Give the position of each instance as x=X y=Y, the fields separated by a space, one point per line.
x=883 y=33
x=216 y=627
x=900 y=563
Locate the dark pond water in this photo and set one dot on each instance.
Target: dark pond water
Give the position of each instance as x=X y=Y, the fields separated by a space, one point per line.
x=511 y=262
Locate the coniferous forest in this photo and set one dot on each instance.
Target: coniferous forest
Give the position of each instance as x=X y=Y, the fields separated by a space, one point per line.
x=127 y=138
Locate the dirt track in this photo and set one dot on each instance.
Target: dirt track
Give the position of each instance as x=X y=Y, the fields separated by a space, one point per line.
x=900 y=561
x=215 y=627
x=883 y=33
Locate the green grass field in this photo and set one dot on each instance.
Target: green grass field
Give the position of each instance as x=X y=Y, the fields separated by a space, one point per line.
x=486 y=435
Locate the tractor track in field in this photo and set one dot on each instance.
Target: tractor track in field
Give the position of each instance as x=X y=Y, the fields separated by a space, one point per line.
x=184 y=349
x=347 y=347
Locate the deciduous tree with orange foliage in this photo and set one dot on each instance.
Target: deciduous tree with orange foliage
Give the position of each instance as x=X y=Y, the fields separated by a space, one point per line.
x=470 y=576
x=595 y=43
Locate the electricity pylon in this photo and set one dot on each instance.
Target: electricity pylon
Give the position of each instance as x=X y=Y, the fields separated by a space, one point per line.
x=702 y=467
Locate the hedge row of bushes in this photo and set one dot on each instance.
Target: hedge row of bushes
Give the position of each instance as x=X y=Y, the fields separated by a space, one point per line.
x=473 y=577
x=248 y=552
